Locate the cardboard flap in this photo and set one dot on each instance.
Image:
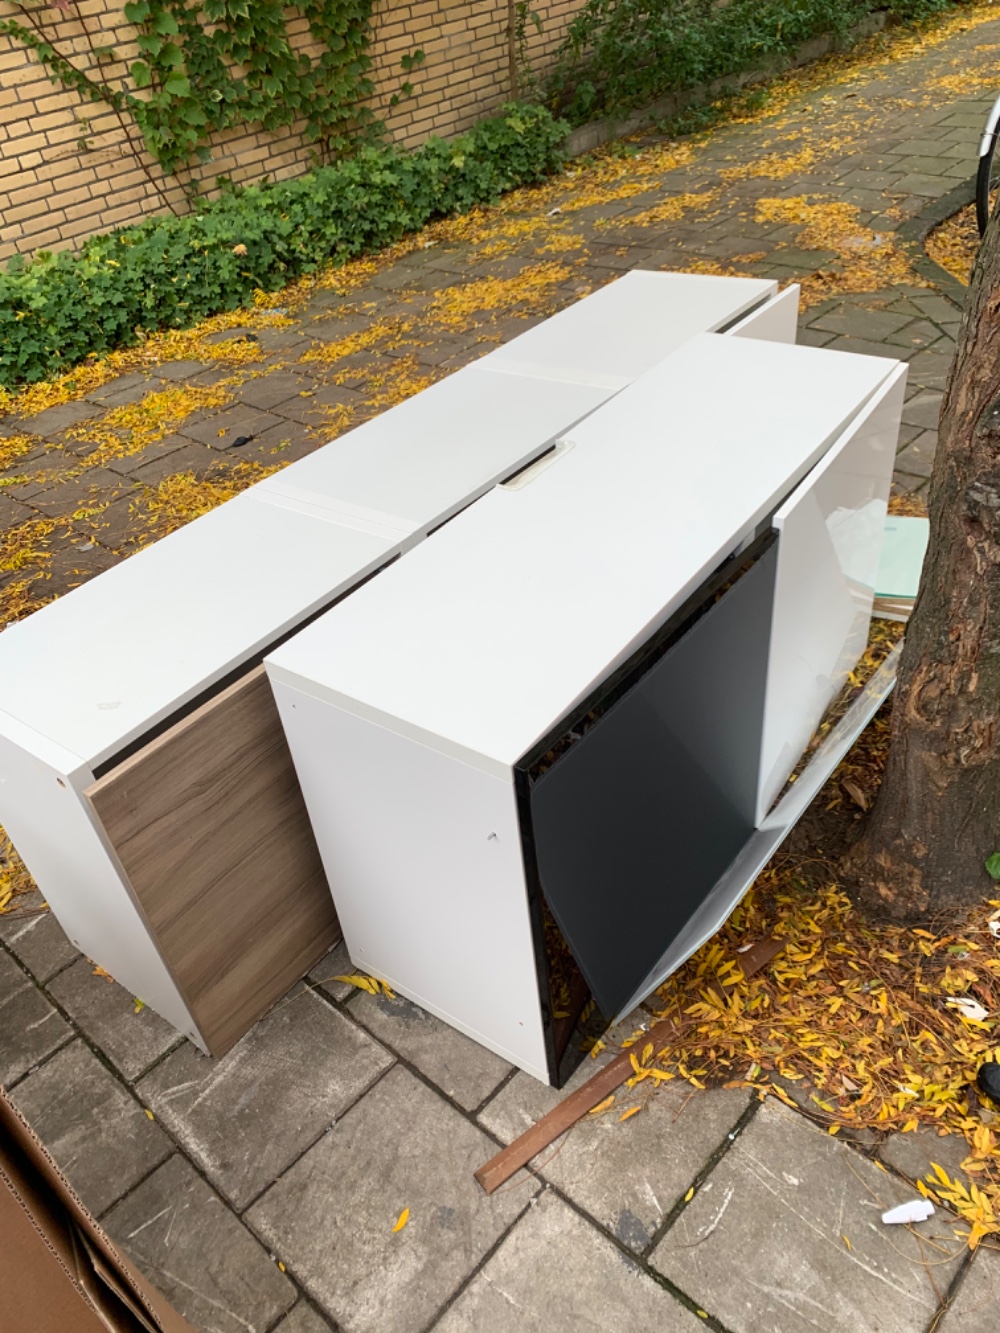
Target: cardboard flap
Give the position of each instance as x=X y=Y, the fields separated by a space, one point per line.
x=103 y=1290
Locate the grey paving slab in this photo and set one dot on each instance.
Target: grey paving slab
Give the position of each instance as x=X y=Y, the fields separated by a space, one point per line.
x=330 y=1218
x=626 y=1174
x=918 y=456
x=337 y=963
x=179 y=370
x=223 y=428
x=976 y=1306
x=303 y=1319
x=930 y=187
x=153 y=453
x=245 y=1117
x=929 y=370
x=913 y=1154
x=55 y=419
x=272 y=389
x=857 y=321
x=187 y=1242
x=555 y=1274
x=30 y=1028
x=786 y=1236
x=460 y=1067
x=101 y=1138
x=131 y=1039
x=923 y=409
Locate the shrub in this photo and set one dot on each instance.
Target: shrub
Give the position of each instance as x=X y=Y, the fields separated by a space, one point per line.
x=621 y=54
x=170 y=272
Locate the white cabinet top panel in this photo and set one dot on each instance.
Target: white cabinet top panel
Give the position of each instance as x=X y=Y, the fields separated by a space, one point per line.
x=622 y=330
x=103 y=664
x=480 y=639
x=415 y=465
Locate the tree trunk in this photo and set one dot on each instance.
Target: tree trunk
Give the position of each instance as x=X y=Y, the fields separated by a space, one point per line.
x=937 y=817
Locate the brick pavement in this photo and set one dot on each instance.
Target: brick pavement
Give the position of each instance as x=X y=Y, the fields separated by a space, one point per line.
x=261 y=1190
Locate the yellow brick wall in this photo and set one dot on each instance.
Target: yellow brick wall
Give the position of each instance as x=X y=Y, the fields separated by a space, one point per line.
x=70 y=167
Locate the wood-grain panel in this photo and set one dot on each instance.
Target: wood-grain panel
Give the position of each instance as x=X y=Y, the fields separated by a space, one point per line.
x=210 y=827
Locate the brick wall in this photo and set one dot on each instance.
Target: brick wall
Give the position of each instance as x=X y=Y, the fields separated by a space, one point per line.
x=70 y=167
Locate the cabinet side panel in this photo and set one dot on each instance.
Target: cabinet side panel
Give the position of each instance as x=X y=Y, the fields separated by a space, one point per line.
x=775 y=322
x=50 y=824
x=209 y=824
x=829 y=545
x=423 y=855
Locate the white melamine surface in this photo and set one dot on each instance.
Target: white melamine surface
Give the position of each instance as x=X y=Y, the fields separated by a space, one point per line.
x=625 y=328
x=428 y=855
x=103 y=664
x=830 y=540
x=775 y=321
x=478 y=641
x=415 y=465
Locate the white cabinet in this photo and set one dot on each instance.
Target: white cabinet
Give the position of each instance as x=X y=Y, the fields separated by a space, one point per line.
x=144 y=776
x=537 y=742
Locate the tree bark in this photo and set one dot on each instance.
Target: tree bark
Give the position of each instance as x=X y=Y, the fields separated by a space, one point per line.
x=937 y=816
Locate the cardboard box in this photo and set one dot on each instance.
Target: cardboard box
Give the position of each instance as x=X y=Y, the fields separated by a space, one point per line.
x=60 y=1272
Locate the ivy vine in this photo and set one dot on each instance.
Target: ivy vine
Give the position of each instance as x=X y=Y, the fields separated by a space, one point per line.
x=210 y=65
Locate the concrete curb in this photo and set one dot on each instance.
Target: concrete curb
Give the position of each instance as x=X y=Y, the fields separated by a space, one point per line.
x=914 y=233
x=585 y=138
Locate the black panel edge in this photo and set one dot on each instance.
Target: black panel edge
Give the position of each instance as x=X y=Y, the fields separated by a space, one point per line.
x=614 y=686
x=522 y=798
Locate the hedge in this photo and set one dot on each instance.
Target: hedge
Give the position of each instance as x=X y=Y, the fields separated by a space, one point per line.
x=621 y=54
x=171 y=272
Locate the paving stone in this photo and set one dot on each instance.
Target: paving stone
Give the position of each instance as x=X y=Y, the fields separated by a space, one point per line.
x=161 y=449
x=923 y=409
x=976 y=1306
x=13 y=512
x=912 y=1154
x=178 y=1231
x=125 y=389
x=190 y=457
x=330 y=1218
x=337 y=963
x=762 y=1244
x=918 y=458
x=246 y=1117
x=31 y=1028
x=920 y=334
x=628 y=1175
x=54 y=419
x=37 y=939
x=844 y=343
x=861 y=323
x=106 y=1012
x=303 y=1319
x=461 y=1068
x=555 y=1274
x=100 y=1137
x=308 y=408
x=94 y=486
x=929 y=370
x=222 y=428
x=179 y=370
x=930 y=187
x=267 y=391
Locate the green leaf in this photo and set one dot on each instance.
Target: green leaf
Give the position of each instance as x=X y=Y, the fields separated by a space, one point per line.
x=137 y=11
x=177 y=85
x=141 y=74
x=165 y=24
x=993 y=865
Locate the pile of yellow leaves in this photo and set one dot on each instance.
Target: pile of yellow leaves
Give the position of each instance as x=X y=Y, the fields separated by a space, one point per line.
x=857 y=1019
x=955 y=244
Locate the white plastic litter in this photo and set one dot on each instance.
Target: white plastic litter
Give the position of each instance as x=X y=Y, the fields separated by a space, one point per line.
x=969 y=1008
x=917 y=1210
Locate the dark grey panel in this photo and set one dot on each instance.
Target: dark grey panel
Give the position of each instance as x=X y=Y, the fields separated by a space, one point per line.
x=634 y=824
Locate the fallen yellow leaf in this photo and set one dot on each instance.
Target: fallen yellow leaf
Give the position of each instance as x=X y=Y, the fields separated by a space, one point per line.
x=602 y=1106
x=632 y=1110
x=401 y=1222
